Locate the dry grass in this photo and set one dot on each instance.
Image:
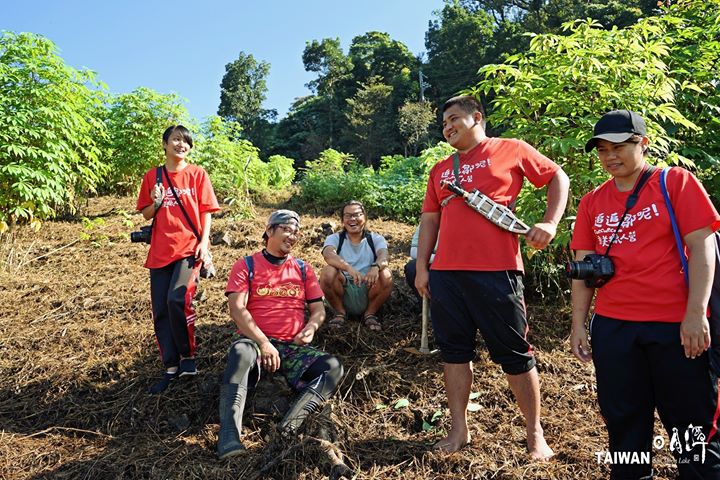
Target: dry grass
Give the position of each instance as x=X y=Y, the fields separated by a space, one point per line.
x=77 y=353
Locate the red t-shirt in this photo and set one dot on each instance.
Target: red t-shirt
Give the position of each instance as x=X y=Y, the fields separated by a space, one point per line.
x=648 y=284
x=277 y=300
x=172 y=237
x=496 y=167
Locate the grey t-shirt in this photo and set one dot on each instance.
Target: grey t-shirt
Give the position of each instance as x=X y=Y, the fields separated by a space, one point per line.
x=359 y=256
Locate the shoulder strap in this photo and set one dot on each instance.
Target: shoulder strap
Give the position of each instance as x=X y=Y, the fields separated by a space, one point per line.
x=158 y=179
x=301 y=264
x=673 y=222
x=251 y=270
x=368 y=237
x=177 y=199
x=343 y=234
x=456 y=167
x=630 y=203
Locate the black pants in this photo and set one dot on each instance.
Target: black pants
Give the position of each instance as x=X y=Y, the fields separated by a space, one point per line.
x=641 y=366
x=172 y=289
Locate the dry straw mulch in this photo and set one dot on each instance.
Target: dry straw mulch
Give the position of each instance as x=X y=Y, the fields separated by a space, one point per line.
x=77 y=354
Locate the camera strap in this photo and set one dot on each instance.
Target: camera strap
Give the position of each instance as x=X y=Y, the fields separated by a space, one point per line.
x=177 y=199
x=630 y=203
x=158 y=179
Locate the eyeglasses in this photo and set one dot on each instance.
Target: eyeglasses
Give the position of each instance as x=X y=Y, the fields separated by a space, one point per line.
x=290 y=230
x=350 y=216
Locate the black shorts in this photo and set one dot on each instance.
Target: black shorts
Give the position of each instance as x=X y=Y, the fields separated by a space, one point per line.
x=464 y=302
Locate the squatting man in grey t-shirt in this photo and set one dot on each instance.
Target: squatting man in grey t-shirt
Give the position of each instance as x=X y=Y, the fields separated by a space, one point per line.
x=356 y=279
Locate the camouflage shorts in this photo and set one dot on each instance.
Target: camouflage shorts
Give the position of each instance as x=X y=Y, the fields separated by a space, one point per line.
x=294 y=360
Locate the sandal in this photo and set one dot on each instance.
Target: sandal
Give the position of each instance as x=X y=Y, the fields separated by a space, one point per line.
x=372 y=322
x=338 y=320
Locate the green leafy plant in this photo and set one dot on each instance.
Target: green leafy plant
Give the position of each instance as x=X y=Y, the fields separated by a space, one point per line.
x=49 y=130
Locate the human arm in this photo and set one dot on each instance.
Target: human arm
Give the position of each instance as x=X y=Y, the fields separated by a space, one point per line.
x=201 y=251
x=429 y=227
x=381 y=263
x=334 y=260
x=317 y=317
x=695 y=329
x=237 y=301
x=581 y=299
x=541 y=234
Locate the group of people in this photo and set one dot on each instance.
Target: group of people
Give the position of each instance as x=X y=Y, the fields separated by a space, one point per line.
x=648 y=336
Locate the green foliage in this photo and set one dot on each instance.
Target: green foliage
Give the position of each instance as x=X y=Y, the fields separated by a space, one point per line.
x=135 y=123
x=242 y=93
x=694 y=36
x=49 y=131
x=234 y=166
x=369 y=121
x=552 y=96
x=414 y=120
x=280 y=171
x=396 y=190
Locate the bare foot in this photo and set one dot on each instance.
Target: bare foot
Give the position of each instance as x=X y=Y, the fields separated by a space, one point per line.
x=538 y=448
x=453 y=442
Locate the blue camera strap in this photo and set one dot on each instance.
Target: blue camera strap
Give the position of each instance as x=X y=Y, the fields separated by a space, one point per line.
x=673 y=222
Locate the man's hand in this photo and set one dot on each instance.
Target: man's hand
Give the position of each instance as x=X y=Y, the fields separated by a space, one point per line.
x=422 y=278
x=695 y=334
x=355 y=275
x=372 y=276
x=580 y=344
x=306 y=335
x=541 y=234
x=269 y=357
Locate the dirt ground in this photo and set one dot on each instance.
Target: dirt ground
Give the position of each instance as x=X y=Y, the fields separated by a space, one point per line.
x=77 y=354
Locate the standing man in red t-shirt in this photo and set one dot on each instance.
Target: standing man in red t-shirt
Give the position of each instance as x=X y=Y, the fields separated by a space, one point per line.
x=476 y=276
x=649 y=330
x=267 y=293
x=176 y=253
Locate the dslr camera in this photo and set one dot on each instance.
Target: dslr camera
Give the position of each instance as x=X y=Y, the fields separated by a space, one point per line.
x=595 y=269
x=143 y=236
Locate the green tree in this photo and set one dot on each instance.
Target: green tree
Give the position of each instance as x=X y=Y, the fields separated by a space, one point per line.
x=370 y=127
x=458 y=43
x=135 y=123
x=552 y=95
x=414 y=121
x=49 y=130
x=242 y=92
x=327 y=59
x=693 y=32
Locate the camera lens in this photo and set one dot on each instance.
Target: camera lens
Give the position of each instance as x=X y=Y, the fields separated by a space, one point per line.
x=579 y=270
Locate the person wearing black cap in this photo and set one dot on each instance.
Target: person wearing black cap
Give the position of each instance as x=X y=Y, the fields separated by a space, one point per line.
x=649 y=331
x=267 y=293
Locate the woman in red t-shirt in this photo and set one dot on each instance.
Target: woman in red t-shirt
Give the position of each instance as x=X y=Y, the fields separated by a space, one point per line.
x=176 y=253
x=649 y=330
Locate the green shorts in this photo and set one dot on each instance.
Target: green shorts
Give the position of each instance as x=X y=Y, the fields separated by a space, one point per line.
x=355 y=297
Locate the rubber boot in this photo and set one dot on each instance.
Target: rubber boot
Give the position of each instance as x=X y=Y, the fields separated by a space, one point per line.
x=232 y=404
x=309 y=401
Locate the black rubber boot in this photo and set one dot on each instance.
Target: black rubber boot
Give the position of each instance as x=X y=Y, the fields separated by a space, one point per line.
x=232 y=405
x=309 y=401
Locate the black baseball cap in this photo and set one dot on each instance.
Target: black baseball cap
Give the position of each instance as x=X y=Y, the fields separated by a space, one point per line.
x=616 y=127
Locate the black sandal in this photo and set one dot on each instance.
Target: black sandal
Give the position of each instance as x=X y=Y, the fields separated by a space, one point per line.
x=372 y=322
x=338 y=320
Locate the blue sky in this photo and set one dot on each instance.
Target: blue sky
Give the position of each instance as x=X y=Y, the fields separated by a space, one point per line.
x=183 y=46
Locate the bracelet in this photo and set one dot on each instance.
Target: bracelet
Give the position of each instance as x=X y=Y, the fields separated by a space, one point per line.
x=375 y=265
